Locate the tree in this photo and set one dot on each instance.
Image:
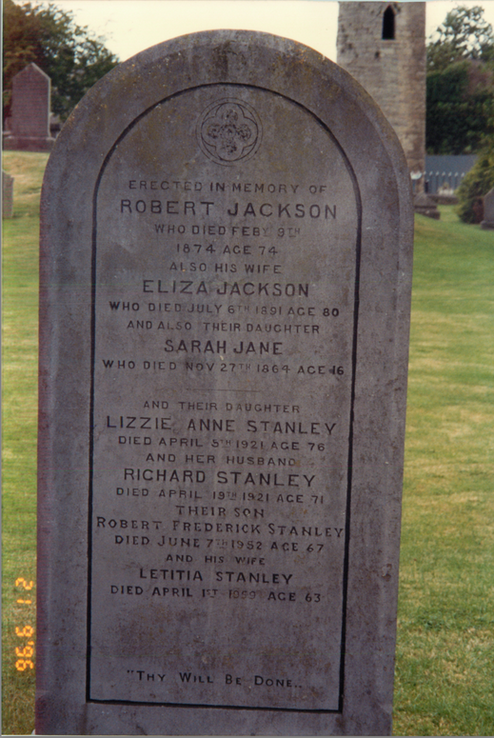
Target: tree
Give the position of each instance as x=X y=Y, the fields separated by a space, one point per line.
x=465 y=34
x=477 y=183
x=460 y=83
x=460 y=108
x=65 y=51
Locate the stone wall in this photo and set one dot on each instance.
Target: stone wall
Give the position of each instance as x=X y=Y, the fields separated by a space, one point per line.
x=391 y=69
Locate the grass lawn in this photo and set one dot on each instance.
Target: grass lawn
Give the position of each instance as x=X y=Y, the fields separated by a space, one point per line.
x=19 y=418
x=445 y=656
x=445 y=653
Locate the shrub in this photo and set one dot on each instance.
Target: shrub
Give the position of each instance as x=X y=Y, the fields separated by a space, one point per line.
x=477 y=183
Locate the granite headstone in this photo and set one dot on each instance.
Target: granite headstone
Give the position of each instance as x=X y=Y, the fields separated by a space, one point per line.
x=7 y=195
x=30 y=121
x=426 y=205
x=488 y=221
x=226 y=248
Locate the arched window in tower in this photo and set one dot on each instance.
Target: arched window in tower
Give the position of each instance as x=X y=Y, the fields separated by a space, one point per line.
x=389 y=23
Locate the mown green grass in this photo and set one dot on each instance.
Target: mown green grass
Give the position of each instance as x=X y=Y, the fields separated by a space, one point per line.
x=19 y=417
x=444 y=674
x=445 y=653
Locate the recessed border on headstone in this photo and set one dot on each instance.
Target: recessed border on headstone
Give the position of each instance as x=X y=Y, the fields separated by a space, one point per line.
x=69 y=700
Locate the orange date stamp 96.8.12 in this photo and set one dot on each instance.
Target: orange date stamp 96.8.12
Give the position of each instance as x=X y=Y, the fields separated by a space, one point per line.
x=25 y=651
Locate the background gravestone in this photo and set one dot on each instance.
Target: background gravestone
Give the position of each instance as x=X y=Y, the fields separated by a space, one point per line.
x=488 y=222
x=224 y=303
x=7 y=195
x=426 y=205
x=30 y=121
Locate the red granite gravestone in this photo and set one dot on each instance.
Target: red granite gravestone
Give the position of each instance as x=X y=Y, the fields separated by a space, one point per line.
x=30 y=121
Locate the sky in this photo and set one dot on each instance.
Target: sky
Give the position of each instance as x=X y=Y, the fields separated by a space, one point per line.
x=130 y=26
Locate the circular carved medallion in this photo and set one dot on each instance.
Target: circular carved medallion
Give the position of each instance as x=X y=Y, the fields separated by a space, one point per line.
x=229 y=131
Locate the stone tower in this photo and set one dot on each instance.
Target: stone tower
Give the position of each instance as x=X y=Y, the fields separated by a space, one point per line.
x=382 y=45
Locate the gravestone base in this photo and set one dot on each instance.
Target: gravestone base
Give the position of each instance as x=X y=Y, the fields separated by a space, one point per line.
x=487 y=225
x=444 y=199
x=425 y=205
x=28 y=143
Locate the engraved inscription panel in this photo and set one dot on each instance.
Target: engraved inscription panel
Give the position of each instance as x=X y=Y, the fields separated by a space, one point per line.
x=226 y=263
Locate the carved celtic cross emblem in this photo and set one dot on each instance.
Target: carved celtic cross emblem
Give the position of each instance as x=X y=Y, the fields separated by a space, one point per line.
x=229 y=131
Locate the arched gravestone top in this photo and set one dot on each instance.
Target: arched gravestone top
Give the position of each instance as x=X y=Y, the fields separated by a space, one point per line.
x=225 y=281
